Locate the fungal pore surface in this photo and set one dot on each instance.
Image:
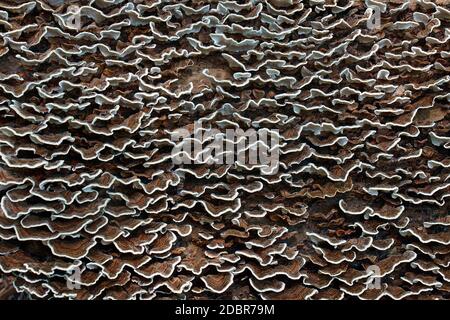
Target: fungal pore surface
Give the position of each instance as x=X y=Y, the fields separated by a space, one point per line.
x=335 y=183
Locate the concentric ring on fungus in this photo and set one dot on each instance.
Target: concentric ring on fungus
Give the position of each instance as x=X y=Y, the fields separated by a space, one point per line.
x=93 y=205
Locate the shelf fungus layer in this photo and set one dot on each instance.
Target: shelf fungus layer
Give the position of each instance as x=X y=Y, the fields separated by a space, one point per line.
x=95 y=205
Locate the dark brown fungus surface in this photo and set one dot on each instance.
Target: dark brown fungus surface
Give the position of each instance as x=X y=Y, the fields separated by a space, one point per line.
x=93 y=204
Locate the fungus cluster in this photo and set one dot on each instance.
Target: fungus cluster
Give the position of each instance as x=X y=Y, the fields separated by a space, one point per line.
x=94 y=207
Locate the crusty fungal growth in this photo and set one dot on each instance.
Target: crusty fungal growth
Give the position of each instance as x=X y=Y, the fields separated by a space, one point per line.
x=93 y=205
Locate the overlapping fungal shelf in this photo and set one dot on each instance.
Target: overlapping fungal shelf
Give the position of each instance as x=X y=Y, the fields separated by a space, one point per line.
x=86 y=172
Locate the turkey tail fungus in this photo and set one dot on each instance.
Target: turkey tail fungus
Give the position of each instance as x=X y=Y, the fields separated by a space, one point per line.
x=258 y=149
